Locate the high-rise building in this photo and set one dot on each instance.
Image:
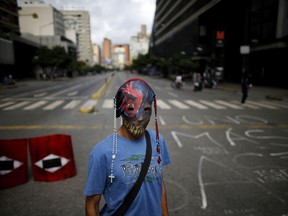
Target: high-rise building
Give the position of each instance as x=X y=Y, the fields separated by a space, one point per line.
x=106 y=52
x=121 y=56
x=43 y=24
x=79 y=21
x=96 y=53
x=139 y=44
x=237 y=36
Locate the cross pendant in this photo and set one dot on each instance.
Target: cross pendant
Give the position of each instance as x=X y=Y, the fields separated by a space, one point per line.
x=111 y=177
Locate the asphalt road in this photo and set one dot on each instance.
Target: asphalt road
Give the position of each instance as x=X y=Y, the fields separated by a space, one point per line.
x=228 y=159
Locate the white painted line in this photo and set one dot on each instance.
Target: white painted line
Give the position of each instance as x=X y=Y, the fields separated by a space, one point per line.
x=108 y=104
x=53 y=105
x=35 y=105
x=195 y=104
x=179 y=104
x=161 y=104
x=261 y=105
x=88 y=106
x=212 y=104
x=6 y=104
x=72 y=104
x=246 y=105
x=162 y=122
x=277 y=104
x=13 y=107
x=228 y=104
x=73 y=93
x=40 y=94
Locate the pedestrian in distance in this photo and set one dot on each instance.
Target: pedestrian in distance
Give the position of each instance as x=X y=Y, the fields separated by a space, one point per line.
x=245 y=86
x=118 y=163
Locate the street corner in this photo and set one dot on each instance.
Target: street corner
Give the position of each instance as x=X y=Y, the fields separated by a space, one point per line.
x=88 y=106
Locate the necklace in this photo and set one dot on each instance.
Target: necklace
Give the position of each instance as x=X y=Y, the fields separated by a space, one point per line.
x=114 y=145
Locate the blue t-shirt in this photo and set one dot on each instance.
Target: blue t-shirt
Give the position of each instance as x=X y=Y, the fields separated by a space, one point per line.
x=127 y=166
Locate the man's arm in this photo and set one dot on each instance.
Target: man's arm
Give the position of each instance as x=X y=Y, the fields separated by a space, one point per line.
x=164 y=200
x=92 y=205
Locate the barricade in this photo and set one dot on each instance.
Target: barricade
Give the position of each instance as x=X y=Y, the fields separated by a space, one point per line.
x=13 y=163
x=52 y=159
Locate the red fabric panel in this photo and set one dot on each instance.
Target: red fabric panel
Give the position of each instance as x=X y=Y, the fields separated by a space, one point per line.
x=13 y=163
x=52 y=157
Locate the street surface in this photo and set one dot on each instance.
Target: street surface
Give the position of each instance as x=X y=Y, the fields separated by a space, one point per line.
x=228 y=158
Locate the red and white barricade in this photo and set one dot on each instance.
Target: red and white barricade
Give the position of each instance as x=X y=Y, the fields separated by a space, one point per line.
x=52 y=157
x=13 y=163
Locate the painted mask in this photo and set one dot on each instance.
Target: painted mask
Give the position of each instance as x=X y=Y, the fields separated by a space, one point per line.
x=134 y=103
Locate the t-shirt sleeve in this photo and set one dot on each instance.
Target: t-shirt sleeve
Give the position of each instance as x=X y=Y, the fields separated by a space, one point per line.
x=96 y=177
x=164 y=152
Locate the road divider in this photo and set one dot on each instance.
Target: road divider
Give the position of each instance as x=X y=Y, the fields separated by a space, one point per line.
x=89 y=106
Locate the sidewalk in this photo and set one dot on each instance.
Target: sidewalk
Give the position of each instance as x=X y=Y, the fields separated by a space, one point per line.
x=271 y=93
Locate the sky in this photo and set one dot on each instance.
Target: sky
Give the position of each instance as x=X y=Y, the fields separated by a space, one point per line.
x=117 y=20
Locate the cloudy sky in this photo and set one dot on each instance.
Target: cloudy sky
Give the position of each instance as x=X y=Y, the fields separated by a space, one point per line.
x=117 y=20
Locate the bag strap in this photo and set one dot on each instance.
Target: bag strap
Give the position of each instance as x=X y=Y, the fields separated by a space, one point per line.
x=134 y=191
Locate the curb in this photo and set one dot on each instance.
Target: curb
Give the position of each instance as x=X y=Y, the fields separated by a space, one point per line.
x=90 y=105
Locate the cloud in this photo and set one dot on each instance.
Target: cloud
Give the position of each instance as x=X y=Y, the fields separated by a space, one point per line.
x=117 y=20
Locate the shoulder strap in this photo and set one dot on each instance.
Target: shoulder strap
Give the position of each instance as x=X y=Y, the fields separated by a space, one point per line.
x=133 y=192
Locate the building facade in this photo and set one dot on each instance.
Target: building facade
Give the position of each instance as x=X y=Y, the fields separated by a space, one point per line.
x=139 y=44
x=121 y=56
x=96 y=54
x=237 y=36
x=79 y=21
x=12 y=60
x=106 y=58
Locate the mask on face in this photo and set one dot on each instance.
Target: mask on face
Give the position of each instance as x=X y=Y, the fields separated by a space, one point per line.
x=134 y=103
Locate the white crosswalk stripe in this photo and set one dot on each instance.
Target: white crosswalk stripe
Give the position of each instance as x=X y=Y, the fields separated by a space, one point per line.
x=53 y=105
x=17 y=105
x=261 y=105
x=6 y=104
x=72 y=104
x=35 y=105
x=195 y=104
x=247 y=105
x=231 y=105
x=179 y=104
x=278 y=104
x=108 y=103
x=27 y=104
x=162 y=105
x=208 y=103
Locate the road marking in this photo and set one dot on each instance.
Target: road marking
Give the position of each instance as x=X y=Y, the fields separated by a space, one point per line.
x=246 y=105
x=35 y=105
x=225 y=103
x=212 y=104
x=179 y=104
x=262 y=105
x=279 y=104
x=161 y=104
x=40 y=94
x=108 y=103
x=6 y=104
x=88 y=106
x=195 y=104
x=13 y=107
x=72 y=104
x=73 y=93
x=53 y=105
